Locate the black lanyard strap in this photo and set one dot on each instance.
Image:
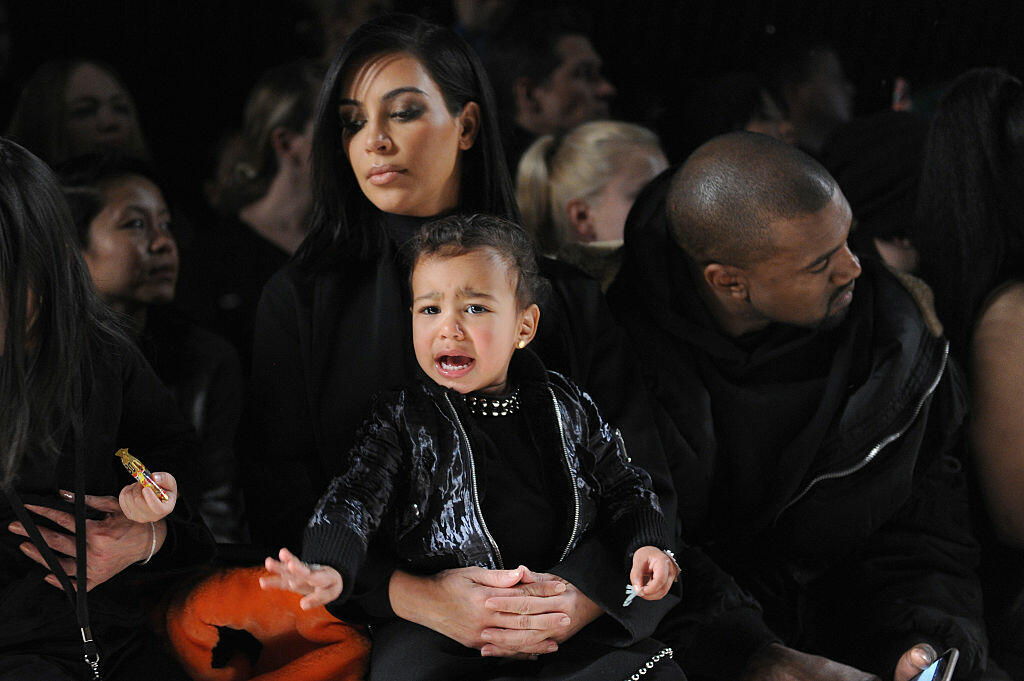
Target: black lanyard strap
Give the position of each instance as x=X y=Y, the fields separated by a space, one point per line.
x=79 y=599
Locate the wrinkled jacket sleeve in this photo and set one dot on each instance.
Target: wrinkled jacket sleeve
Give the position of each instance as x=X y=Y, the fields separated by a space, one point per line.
x=351 y=510
x=916 y=580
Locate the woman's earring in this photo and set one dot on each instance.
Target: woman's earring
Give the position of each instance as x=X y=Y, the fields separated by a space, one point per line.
x=521 y=344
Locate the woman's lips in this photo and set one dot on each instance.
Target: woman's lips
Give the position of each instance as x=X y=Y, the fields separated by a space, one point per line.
x=382 y=175
x=454 y=366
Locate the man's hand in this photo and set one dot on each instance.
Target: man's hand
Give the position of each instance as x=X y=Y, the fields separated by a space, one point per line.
x=779 y=663
x=455 y=603
x=576 y=609
x=913 y=661
x=113 y=543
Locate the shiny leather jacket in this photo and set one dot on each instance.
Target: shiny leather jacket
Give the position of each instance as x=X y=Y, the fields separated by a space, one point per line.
x=411 y=479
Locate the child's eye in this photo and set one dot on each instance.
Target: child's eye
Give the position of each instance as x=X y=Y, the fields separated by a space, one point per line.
x=137 y=223
x=430 y=309
x=476 y=309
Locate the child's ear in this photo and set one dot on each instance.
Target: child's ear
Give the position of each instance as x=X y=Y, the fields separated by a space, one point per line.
x=581 y=219
x=528 y=325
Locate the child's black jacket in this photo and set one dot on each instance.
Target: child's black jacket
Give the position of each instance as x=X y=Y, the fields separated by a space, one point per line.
x=411 y=480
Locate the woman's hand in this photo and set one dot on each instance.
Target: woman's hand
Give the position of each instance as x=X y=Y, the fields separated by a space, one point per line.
x=465 y=604
x=318 y=584
x=141 y=504
x=112 y=544
x=556 y=617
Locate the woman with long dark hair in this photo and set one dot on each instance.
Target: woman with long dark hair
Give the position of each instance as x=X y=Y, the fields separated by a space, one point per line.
x=74 y=390
x=406 y=131
x=971 y=242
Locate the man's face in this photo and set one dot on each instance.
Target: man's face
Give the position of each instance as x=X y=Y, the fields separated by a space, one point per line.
x=808 y=279
x=576 y=91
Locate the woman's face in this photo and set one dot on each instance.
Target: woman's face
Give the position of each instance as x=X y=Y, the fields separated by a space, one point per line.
x=131 y=254
x=100 y=114
x=404 y=145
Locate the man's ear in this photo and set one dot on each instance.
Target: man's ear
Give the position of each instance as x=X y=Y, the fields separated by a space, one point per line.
x=469 y=120
x=522 y=94
x=528 y=321
x=581 y=220
x=282 y=140
x=726 y=280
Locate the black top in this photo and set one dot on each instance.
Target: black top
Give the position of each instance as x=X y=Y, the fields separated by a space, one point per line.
x=520 y=492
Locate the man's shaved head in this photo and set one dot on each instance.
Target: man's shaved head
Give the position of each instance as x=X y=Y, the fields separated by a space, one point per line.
x=722 y=200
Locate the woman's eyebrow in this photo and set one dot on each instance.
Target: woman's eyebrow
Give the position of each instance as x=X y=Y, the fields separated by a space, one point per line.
x=391 y=94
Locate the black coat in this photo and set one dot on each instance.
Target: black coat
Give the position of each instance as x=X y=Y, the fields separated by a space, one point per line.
x=412 y=476
x=854 y=535
x=325 y=344
x=125 y=406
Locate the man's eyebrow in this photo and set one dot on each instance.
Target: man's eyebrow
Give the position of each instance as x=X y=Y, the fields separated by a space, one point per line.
x=391 y=94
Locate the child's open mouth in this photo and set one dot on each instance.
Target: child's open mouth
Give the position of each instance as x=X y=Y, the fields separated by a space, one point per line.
x=453 y=366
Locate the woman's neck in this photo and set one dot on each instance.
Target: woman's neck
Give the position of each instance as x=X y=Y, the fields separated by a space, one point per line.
x=279 y=216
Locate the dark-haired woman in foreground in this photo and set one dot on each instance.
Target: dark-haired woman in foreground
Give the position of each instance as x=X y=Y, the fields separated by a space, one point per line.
x=74 y=390
x=971 y=242
x=406 y=131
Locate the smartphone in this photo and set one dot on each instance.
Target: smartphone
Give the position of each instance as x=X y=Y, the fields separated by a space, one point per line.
x=941 y=669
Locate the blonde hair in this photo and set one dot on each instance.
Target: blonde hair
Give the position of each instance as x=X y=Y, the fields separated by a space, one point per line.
x=579 y=164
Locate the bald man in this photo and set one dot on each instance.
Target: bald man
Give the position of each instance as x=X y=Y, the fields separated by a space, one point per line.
x=813 y=422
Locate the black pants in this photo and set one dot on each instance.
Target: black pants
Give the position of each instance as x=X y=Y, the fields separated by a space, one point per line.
x=403 y=651
x=143 y=657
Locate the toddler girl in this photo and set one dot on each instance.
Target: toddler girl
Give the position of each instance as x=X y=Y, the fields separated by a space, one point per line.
x=489 y=460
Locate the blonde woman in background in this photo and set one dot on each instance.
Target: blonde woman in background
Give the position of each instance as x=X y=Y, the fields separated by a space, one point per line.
x=575 y=191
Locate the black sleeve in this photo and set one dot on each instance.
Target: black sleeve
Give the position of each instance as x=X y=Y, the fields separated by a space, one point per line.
x=159 y=436
x=277 y=449
x=355 y=503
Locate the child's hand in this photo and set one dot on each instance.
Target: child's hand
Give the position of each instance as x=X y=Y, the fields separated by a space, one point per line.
x=653 y=573
x=142 y=505
x=318 y=584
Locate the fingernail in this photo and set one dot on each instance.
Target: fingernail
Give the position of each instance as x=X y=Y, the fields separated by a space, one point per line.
x=564 y=621
x=486 y=636
x=16 y=528
x=552 y=648
x=66 y=494
x=559 y=587
x=924 y=657
x=485 y=653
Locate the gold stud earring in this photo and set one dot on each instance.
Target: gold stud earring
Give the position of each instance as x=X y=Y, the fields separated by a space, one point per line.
x=521 y=344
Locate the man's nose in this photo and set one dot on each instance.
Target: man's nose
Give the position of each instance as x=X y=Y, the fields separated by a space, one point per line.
x=848 y=267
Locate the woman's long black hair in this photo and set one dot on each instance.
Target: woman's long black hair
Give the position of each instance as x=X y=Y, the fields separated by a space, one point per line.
x=344 y=224
x=970 y=214
x=46 y=343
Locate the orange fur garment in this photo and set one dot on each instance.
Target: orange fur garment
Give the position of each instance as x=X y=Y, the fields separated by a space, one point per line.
x=297 y=645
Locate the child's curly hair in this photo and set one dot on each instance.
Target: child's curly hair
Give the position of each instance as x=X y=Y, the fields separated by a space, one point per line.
x=456 y=235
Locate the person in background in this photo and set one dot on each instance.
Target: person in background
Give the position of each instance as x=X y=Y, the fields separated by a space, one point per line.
x=75 y=390
x=816 y=96
x=73 y=107
x=575 y=190
x=970 y=235
x=877 y=162
x=123 y=227
x=547 y=77
x=263 y=200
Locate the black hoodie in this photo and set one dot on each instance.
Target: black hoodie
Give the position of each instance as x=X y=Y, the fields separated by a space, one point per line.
x=819 y=468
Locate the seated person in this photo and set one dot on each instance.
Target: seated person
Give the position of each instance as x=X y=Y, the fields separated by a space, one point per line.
x=487 y=460
x=575 y=190
x=82 y=551
x=124 y=230
x=817 y=430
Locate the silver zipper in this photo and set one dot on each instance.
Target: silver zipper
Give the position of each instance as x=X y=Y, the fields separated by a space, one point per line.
x=476 y=493
x=572 y=477
x=622 y=444
x=878 y=447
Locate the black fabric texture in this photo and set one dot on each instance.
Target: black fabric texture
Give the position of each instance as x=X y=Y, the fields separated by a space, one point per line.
x=854 y=531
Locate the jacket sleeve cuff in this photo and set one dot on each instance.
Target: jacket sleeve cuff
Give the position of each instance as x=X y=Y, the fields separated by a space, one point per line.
x=337 y=546
x=645 y=527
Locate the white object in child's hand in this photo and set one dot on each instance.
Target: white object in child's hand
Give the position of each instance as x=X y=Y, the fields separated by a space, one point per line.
x=631 y=593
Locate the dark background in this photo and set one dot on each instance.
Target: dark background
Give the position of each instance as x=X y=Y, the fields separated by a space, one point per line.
x=190 y=64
